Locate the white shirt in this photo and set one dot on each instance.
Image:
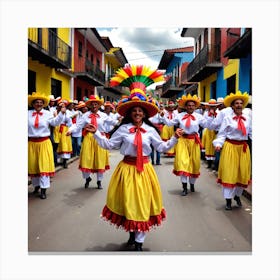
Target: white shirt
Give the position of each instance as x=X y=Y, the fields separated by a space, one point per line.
x=229 y=130
x=45 y=120
x=109 y=126
x=194 y=127
x=85 y=119
x=156 y=119
x=124 y=140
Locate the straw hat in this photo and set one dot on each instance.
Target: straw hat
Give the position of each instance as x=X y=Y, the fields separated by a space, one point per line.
x=109 y=104
x=94 y=98
x=137 y=78
x=81 y=104
x=239 y=95
x=40 y=96
x=63 y=100
x=189 y=97
x=211 y=103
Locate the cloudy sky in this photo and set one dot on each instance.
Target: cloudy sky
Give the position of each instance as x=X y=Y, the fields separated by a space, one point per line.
x=145 y=45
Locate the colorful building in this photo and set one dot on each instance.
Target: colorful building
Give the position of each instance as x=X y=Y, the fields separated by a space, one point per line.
x=216 y=67
x=49 y=60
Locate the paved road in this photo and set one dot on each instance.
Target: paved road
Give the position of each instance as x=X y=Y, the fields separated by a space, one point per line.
x=69 y=220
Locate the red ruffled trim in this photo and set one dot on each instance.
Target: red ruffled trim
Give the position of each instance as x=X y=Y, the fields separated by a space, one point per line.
x=170 y=154
x=60 y=153
x=130 y=225
x=183 y=173
x=51 y=174
x=107 y=167
x=228 y=185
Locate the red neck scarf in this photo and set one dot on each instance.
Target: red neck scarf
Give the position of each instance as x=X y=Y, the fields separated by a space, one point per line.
x=189 y=118
x=170 y=115
x=138 y=144
x=74 y=120
x=93 y=119
x=37 y=114
x=240 y=125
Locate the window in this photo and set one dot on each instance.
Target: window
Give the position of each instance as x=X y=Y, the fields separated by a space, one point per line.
x=231 y=84
x=80 y=49
x=86 y=53
x=31 y=81
x=79 y=93
x=55 y=87
x=91 y=58
x=214 y=90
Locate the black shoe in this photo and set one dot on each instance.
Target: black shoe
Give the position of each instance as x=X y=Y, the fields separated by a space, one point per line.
x=138 y=246
x=43 y=194
x=228 y=204
x=238 y=201
x=87 y=182
x=65 y=163
x=131 y=240
x=185 y=189
x=99 y=185
x=36 y=190
x=192 y=187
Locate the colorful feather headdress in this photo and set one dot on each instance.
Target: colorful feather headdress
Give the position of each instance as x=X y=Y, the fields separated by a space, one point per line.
x=137 y=78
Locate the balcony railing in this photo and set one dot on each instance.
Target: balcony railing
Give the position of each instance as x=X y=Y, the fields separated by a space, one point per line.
x=85 y=69
x=209 y=56
x=44 y=42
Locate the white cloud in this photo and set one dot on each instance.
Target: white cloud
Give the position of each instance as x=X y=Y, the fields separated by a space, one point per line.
x=145 y=45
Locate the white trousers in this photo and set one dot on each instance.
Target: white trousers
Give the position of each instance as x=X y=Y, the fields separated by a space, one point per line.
x=140 y=236
x=232 y=192
x=43 y=182
x=184 y=179
x=99 y=175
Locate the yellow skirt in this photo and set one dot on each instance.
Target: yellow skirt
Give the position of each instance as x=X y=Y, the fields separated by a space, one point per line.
x=207 y=138
x=56 y=134
x=93 y=158
x=166 y=133
x=187 y=159
x=134 y=200
x=65 y=142
x=40 y=159
x=235 y=166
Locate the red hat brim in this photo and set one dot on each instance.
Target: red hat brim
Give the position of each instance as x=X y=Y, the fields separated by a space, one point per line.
x=151 y=109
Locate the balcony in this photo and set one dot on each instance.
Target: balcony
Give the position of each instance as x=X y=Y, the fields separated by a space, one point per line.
x=87 y=71
x=47 y=48
x=241 y=47
x=206 y=62
x=170 y=88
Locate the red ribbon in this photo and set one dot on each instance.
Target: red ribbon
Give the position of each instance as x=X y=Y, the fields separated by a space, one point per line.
x=74 y=120
x=37 y=114
x=189 y=118
x=138 y=144
x=170 y=115
x=93 y=119
x=240 y=125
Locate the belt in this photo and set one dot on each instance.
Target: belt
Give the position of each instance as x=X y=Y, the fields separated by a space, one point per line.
x=238 y=142
x=38 y=139
x=195 y=137
x=132 y=160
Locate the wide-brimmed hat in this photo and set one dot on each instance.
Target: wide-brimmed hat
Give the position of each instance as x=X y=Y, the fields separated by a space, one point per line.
x=238 y=95
x=63 y=100
x=189 y=97
x=81 y=104
x=211 y=103
x=40 y=96
x=109 y=104
x=137 y=78
x=94 y=98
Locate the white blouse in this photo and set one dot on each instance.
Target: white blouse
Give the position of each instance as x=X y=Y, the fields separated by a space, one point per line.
x=45 y=120
x=229 y=130
x=199 y=120
x=85 y=119
x=124 y=140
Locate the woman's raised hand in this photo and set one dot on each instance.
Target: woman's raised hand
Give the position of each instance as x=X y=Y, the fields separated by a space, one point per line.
x=90 y=127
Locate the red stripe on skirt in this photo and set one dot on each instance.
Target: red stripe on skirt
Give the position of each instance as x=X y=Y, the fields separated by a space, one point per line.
x=130 y=225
